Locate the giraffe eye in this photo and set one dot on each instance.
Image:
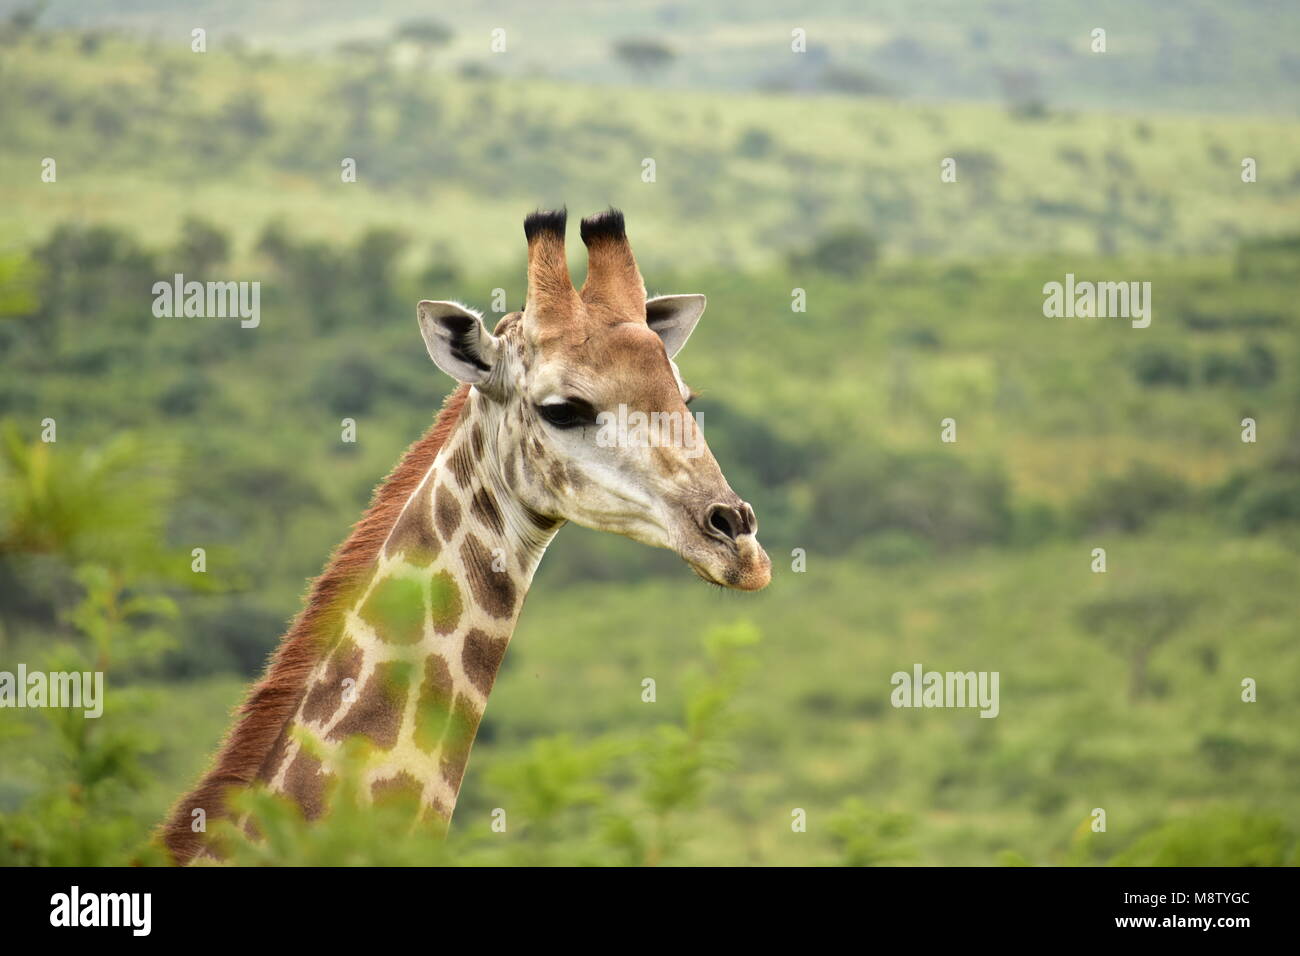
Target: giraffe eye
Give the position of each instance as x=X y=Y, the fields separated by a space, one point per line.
x=567 y=414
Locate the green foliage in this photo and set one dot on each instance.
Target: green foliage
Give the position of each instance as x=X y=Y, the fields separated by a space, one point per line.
x=618 y=798
x=755 y=179
x=354 y=832
x=1216 y=837
x=837 y=451
x=870 y=837
x=844 y=251
x=424 y=32
x=1257 y=500
x=102 y=504
x=81 y=813
x=928 y=496
x=99 y=512
x=1133 y=624
x=175 y=434
x=1158 y=366
x=202 y=247
x=1209 y=60
x=643 y=53
x=19 y=285
x=1128 y=502
x=1269 y=255
x=1254 y=367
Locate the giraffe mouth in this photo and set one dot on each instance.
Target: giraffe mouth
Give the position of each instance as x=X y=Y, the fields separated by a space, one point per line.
x=722 y=546
x=739 y=564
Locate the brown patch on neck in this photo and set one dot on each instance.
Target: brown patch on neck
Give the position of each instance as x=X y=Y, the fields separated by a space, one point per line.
x=493 y=590
x=311 y=787
x=485 y=509
x=401 y=789
x=324 y=699
x=413 y=536
x=377 y=711
x=481 y=657
x=273 y=701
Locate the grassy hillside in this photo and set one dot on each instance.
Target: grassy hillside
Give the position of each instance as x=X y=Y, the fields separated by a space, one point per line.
x=142 y=134
x=1192 y=56
x=1073 y=434
x=1119 y=690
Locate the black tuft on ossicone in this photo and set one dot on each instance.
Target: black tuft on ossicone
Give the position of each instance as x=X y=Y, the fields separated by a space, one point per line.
x=545 y=220
x=603 y=225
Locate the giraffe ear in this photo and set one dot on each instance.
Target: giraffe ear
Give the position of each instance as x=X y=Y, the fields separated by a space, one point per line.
x=673 y=318
x=457 y=341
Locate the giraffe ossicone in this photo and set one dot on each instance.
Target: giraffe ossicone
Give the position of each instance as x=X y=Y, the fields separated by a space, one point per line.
x=401 y=637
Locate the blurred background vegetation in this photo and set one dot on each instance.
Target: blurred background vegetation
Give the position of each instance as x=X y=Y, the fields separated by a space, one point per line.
x=775 y=172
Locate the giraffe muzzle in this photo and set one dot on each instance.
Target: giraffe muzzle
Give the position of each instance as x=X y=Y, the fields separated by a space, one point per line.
x=735 y=559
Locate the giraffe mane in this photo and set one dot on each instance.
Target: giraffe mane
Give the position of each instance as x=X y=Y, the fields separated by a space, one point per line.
x=272 y=702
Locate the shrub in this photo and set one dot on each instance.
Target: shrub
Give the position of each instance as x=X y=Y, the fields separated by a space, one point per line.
x=1154 y=366
x=1255 y=500
x=1256 y=367
x=845 y=251
x=1128 y=502
x=615 y=799
x=1221 y=837
x=932 y=496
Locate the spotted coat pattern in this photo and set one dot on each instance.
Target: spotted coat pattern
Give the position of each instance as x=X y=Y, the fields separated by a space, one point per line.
x=420 y=648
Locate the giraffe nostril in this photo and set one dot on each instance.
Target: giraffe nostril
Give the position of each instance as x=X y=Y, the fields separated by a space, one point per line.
x=748 y=521
x=726 y=520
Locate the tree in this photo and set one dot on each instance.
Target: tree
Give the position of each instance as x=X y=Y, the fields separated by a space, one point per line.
x=202 y=247
x=375 y=263
x=1134 y=625
x=426 y=35
x=845 y=250
x=644 y=55
x=1022 y=91
x=246 y=115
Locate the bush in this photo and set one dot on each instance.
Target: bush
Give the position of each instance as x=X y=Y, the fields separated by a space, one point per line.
x=1256 y=500
x=615 y=799
x=1224 y=837
x=1256 y=367
x=754 y=143
x=845 y=251
x=101 y=513
x=88 y=271
x=1128 y=502
x=201 y=248
x=931 y=496
x=1154 y=366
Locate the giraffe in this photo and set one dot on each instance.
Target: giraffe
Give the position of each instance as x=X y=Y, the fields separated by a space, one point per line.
x=401 y=636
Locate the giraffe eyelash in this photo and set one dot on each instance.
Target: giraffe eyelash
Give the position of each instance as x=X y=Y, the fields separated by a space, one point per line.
x=568 y=414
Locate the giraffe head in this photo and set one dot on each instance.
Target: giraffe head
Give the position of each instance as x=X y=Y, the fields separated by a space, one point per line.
x=585 y=409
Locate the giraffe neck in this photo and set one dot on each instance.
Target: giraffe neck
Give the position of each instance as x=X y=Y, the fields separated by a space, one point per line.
x=419 y=649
